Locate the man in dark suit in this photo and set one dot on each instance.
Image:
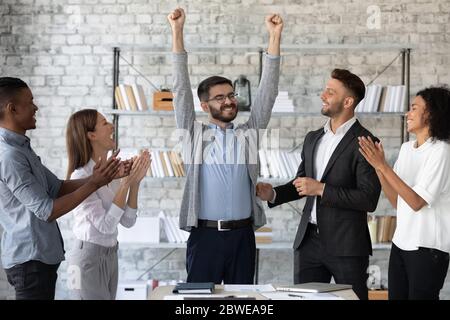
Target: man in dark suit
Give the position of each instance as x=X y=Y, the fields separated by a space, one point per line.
x=341 y=187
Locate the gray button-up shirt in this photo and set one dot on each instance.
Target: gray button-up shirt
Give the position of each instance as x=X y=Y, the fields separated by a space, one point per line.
x=27 y=190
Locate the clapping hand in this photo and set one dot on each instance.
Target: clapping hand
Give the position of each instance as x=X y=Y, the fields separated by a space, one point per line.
x=139 y=168
x=124 y=169
x=373 y=152
x=105 y=171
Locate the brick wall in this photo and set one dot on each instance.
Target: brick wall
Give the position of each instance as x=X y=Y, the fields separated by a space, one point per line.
x=63 y=49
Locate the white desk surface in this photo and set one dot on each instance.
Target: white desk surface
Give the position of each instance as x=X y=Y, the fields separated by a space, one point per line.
x=181 y=245
x=160 y=292
x=278 y=245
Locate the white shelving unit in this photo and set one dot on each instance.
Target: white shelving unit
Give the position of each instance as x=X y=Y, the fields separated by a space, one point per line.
x=259 y=49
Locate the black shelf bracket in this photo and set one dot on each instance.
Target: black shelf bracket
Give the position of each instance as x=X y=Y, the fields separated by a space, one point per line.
x=114 y=103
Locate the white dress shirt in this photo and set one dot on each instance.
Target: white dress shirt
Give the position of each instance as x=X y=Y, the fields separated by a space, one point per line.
x=426 y=169
x=324 y=149
x=97 y=217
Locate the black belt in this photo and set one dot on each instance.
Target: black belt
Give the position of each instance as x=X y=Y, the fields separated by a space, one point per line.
x=223 y=225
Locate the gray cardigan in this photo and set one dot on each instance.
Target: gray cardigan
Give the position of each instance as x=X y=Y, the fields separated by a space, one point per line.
x=194 y=145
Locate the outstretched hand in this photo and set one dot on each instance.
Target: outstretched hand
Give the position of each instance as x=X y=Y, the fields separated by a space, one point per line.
x=274 y=24
x=264 y=191
x=176 y=19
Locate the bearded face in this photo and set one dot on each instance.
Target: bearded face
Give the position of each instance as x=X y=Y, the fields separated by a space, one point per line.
x=333 y=98
x=222 y=103
x=226 y=112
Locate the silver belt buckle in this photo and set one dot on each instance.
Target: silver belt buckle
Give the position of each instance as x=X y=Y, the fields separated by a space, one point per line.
x=219 y=226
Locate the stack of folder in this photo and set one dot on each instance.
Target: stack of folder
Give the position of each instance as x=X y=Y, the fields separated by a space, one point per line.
x=194 y=287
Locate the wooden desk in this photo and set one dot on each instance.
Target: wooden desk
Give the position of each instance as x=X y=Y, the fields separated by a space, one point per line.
x=378 y=295
x=160 y=292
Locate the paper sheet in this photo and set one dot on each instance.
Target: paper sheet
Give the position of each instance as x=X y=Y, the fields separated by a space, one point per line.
x=204 y=296
x=248 y=288
x=282 y=295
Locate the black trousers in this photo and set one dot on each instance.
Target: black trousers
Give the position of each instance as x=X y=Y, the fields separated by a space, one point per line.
x=313 y=264
x=33 y=280
x=416 y=275
x=216 y=256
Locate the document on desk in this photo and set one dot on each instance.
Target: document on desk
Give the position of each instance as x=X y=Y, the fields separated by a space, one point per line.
x=248 y=288
x=314 y=287
x=183 y=296
x=281 y=295
x=207 y=297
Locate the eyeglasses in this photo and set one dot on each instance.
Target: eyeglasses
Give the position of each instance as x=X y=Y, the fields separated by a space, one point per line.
x=222 y=98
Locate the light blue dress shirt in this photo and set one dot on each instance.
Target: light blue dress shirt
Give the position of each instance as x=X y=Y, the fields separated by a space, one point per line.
x=224 y=180
x=27 y=190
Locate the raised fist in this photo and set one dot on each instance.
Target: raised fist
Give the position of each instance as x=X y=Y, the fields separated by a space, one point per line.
x=274 y=23
x=176 y=18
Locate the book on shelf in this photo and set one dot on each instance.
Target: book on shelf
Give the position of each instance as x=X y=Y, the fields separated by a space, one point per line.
x=166 y=164
x=194 y=287
x=173 y=232
x=372 y=223
x=381 y=228
x=139 y=95
x=264 y=235
x=383 y=99
x=278 y=164
x=314 y=287
x=130 y=97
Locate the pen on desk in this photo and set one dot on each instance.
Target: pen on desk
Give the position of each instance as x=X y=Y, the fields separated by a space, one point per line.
x=295 y=295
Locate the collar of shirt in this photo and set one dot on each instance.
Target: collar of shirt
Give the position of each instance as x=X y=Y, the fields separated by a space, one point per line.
x=13 y=138
x=229 y=126
x=343 y=128
x=89 y=167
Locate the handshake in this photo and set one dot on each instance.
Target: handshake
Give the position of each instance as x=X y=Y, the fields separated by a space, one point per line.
x=264 y=191
x=303 y=185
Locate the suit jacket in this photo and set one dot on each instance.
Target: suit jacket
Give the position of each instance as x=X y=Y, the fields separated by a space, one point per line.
x=351 y=190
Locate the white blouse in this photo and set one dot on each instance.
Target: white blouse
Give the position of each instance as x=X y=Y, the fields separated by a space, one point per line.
x=426 y=169
x=97 y=217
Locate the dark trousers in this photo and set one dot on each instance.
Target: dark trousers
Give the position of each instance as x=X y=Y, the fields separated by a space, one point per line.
x=313 y=264
x=33 y=280
x=416 y=275
x=216 y=256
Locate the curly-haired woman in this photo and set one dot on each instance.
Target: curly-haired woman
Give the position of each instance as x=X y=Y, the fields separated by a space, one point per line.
x=419 y=188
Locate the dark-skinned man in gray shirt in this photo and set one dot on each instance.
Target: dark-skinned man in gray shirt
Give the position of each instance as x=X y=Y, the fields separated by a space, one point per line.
x=32 y=198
